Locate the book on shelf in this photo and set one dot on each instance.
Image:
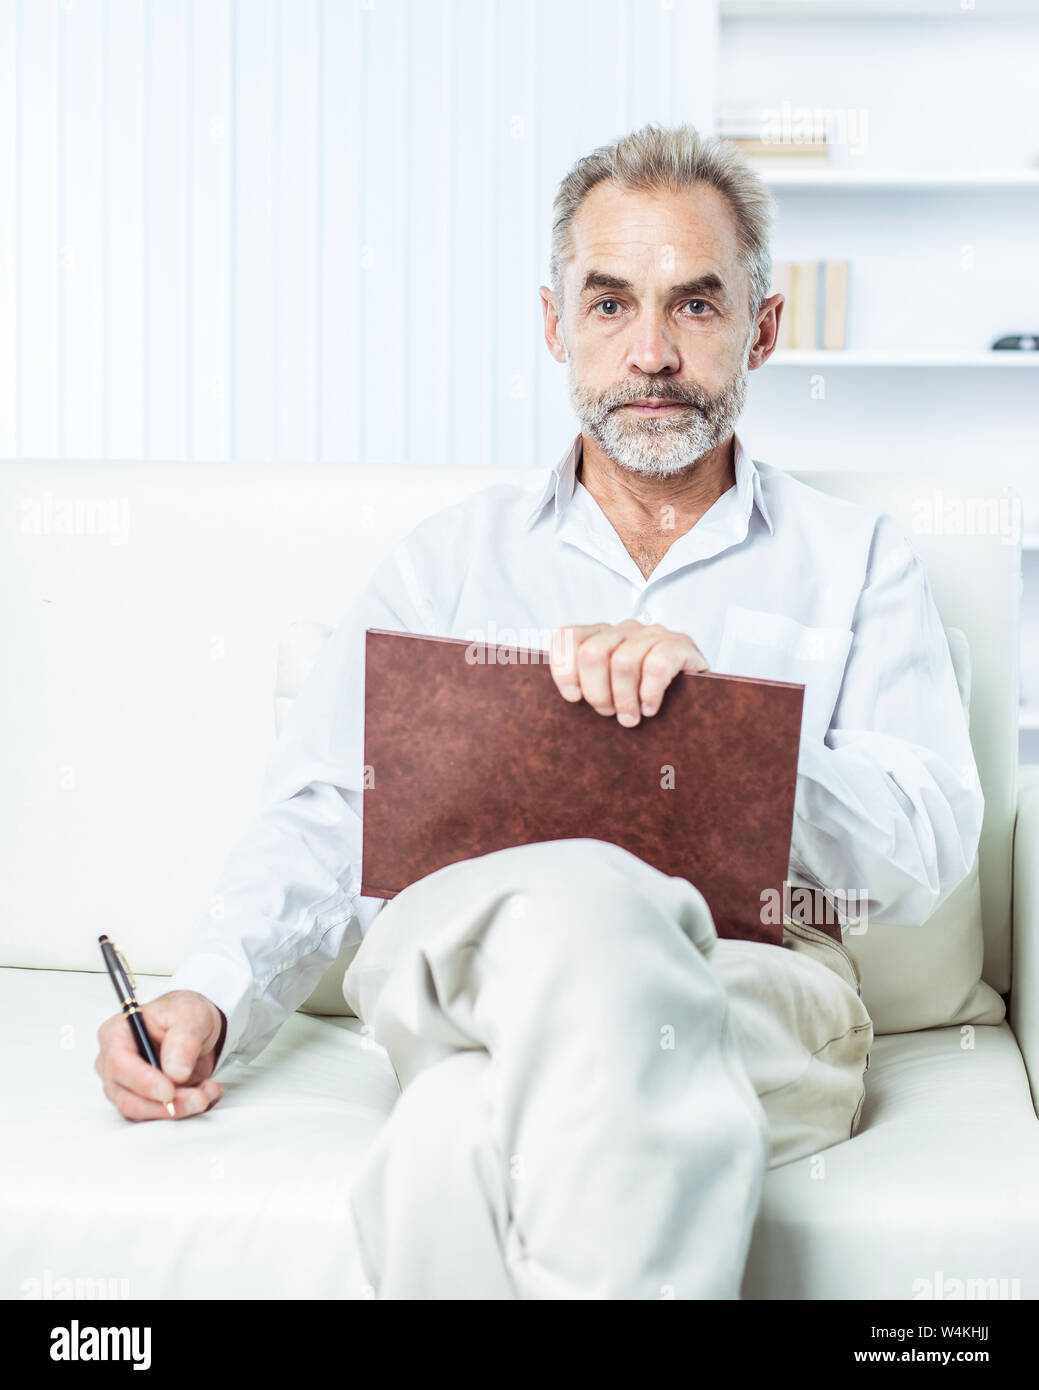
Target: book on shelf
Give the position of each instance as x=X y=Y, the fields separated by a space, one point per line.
x=816 y=308
x=772 y=133
x=834 y=304
x=770 y=151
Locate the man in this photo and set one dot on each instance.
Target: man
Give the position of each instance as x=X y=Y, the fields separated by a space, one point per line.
x=593 y=1084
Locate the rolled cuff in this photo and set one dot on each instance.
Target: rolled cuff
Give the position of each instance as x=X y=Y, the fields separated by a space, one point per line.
x=225 y=985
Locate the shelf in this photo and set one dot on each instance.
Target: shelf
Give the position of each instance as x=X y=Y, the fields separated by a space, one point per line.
x=856 y=358
x=869 y=9
x=899 y=180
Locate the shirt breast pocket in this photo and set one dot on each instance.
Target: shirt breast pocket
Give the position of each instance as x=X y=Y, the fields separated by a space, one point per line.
x=775 y=647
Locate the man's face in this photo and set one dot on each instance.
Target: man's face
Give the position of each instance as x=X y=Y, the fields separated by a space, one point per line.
x=657 y=325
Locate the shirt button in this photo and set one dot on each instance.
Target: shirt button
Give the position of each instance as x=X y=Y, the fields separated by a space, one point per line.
x=645 y=616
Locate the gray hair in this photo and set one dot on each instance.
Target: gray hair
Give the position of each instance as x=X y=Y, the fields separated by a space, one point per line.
x=656 y=157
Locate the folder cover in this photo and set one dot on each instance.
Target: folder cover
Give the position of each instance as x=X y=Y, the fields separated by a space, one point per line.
x=469 y=747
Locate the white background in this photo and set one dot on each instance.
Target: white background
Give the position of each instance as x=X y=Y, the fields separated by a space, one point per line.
x=313 y=230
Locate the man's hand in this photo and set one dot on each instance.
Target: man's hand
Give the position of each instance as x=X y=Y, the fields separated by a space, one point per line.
x=621 y=669
x=187 y=1029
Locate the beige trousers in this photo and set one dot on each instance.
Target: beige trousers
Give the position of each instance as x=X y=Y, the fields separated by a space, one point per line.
x=593 y=1084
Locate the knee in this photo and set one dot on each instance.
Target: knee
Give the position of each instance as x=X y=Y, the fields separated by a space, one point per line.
x=582 y=864
x=589 y=899
x=587 y=883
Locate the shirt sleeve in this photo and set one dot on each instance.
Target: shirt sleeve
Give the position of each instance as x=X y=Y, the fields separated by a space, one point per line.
x=889 y=805
x=290 y=889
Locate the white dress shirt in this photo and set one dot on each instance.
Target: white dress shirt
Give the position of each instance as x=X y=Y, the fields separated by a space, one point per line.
x=777 y=579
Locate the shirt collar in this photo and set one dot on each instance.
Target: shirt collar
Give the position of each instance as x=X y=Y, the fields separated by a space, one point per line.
x=561 y=485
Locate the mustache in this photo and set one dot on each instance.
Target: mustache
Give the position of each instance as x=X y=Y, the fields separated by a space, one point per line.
x=664 y=391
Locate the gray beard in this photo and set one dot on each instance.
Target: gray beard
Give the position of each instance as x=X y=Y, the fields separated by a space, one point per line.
x=659 y=448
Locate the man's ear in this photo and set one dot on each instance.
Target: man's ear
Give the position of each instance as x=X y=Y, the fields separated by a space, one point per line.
x=766 y=330
x=553 y=325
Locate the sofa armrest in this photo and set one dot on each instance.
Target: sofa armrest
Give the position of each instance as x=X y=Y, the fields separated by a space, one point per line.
x=1024 y=992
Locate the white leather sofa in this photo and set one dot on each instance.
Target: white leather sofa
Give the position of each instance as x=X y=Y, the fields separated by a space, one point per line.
x=142 y=607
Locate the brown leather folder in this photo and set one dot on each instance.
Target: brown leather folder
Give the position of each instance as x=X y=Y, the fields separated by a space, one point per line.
x=471 y=748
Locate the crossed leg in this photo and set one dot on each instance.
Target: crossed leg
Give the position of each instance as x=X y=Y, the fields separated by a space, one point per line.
x=576 y=1120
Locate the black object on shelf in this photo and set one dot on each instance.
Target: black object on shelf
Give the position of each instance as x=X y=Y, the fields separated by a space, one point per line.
x=1017 y=342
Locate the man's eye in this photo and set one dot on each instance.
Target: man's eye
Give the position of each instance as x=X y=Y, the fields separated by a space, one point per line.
x=603 y=306
x=698 y=307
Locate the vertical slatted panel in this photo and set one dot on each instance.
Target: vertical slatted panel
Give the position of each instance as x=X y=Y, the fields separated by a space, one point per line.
x=518 y=237
x=571 y=125
x=37 y=214
x=295 y=226
x=473 y=225
x=253 y=373
x=81 y=252
x=694 y=61
x=126 y=373
x=383 y=237
x=209 y=233
x=339 y=133
x=304 y=229
x=167 y=327
x=10 y=134
x=490 y=135
x=622 y=41
x=669 y=62
x=428 y=306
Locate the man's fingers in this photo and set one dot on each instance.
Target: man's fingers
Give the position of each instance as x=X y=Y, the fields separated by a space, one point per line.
x=120 y=1063
x=597 y=657
x=187 y=1101
x=661 y=665
x=179 y=1054
x=610 y=664
x=622 y=668
x=133 y=1106
x=627 y=671
x=563 y=657
x=185 y=1028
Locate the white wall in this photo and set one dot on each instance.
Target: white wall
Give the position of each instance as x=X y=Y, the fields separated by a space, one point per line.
x=304 y=229
x=313 y=230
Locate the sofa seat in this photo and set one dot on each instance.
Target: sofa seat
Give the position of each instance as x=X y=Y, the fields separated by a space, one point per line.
x=940 y=1183
x=250 y=1199
x=245 y=1201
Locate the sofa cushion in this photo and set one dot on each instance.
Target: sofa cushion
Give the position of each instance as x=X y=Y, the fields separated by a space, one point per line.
x=928 y=975
x=901 y=986
x=245 y=1201
x=936 y=1195
x=250 y=1200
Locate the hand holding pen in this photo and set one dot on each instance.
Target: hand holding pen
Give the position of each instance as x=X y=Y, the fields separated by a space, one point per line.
x=182 y=1028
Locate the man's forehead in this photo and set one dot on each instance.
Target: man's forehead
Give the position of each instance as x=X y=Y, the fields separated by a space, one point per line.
x=624 y=226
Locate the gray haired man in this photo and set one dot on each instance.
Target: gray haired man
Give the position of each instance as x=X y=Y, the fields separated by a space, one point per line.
x=593 y=1083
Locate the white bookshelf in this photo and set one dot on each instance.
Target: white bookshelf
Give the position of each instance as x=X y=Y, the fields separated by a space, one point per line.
x=874 y=9
x=920 y=326
x=829 y=180
x=857 y=357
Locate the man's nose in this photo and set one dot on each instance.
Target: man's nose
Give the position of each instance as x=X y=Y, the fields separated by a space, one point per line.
x=652 y=349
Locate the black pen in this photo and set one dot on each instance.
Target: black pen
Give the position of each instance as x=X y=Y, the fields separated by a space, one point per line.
x=122 y=978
